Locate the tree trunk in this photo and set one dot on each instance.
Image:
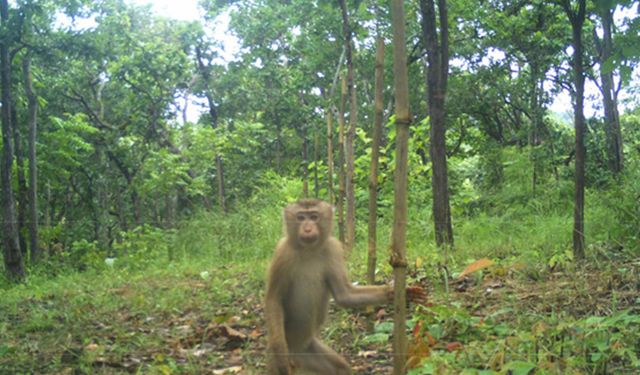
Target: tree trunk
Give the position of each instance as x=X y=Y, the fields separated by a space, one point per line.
x=341 y=157
x=48 y=212
x=316 y=160
x=609 y=96
x=185 y=108
x=213 y=113
x=278 y=147
x=102 y=204
x=122 y=212
x=222 y=200
x=375 y=154
x=349 y=149
x=437 y=73
x=13 y=261
x=577 y=21
x=399 y=231
x=172 y=217
x=305 y=163
x=172 y=210
x=329 y=116
x=21 y=194
x=32 y=105
x=137 y=208
x=537 y=119
x=331 y=110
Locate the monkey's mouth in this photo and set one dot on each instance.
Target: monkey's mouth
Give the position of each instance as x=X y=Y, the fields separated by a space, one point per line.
x=308 y=238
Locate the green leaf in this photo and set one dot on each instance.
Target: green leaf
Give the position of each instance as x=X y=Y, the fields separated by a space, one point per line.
x=519 y=367
x=384 y=327
x=425 y=369
x=376 y=338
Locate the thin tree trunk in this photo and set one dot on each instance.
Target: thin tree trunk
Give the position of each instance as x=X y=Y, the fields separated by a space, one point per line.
x=341 y=157
x=578 y=231
x=437 y=73
x=32 y=104
x=13 y=261
x=137 y=208
x=21 y=194
x=172 y=209
x=222 y=200
x=316 y=160
x=329 y=116
x=48 y=211
x=172 y=217
x=122 y=211
x=399 y=231
x=609 y=95
x=536 y=124
x=185 y=108
x=102 y=205
x=305 y=163
x=278 y=147
x=213 y=113
x=577 y=19
x=375 y=154
x=351 y=133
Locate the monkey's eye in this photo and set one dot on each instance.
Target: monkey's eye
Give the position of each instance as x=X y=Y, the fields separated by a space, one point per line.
x=313 y=217
x=300 y=218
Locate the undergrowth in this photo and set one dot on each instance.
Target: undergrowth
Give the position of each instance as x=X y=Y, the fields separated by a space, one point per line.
x=187 y=300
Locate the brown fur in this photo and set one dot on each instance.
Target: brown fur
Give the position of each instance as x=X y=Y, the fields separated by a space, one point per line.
x=307 y=269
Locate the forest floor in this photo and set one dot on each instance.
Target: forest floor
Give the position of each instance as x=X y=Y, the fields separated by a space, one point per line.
x=195 y=319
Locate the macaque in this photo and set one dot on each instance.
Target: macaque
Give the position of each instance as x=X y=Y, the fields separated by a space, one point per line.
x=307 y=269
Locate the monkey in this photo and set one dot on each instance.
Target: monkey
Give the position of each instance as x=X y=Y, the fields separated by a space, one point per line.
x=308 y=268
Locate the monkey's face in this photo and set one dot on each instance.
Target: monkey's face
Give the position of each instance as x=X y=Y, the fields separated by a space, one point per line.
x=308 y=222
x=308 y=227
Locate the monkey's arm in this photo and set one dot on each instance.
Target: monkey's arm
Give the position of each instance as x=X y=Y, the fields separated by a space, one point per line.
x=348 y=295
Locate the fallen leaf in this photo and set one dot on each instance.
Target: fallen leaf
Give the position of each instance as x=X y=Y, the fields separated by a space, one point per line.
x=367 y=353
x=91 y=347
x=199 y=352
x=229 y=370
x=234 y=338
x=418 y=350
x=432 y=341
x=476 y=266
x=417 y=329
x=255 y=334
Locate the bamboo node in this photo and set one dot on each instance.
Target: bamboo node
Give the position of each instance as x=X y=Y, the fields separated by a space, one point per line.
x=397 y=261
x=400 y=121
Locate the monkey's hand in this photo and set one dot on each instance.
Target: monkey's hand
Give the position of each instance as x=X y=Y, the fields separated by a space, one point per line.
x=416 y=294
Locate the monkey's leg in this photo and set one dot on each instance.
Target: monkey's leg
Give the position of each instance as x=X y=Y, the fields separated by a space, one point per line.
x=322 y=360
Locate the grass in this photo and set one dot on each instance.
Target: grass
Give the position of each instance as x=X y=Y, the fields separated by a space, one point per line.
x=188 y=301
x=119 y=321
x=202 y=311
